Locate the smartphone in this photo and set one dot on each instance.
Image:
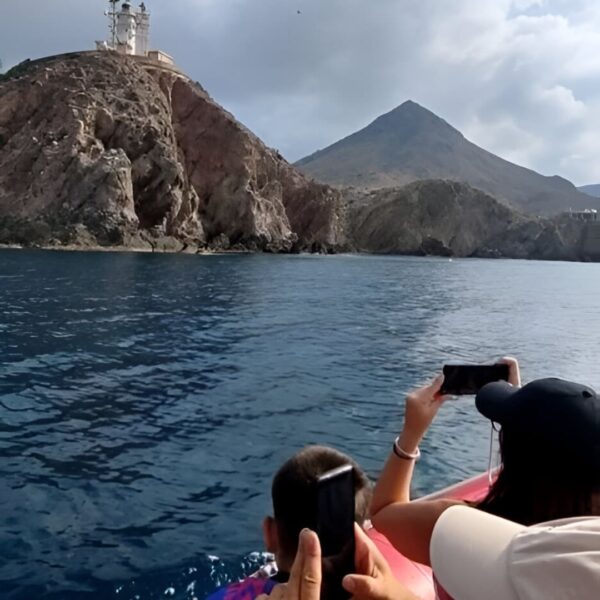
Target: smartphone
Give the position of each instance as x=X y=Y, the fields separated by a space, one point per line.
x=335 y=528
x=460 y=380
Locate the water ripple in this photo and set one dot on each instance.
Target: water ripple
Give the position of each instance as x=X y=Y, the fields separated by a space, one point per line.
x=145 y=401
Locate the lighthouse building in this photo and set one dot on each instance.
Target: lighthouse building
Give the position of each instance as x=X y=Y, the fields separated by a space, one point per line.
x=142 y=31
x=126 y=30
x=130 y=32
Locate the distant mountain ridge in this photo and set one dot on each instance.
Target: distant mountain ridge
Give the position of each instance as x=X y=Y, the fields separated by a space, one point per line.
x=145 y=159
x=591 y=190
x=410 y=143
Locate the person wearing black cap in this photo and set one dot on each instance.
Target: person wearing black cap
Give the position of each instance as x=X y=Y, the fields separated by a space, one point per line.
x=550 y=450
x=550 y=459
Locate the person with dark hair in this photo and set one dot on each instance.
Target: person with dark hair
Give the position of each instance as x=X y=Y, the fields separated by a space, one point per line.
x=292 y=494
x=547 y=418
x=550 y=450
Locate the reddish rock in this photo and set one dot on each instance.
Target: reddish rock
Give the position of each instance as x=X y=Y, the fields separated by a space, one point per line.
x=97 y=148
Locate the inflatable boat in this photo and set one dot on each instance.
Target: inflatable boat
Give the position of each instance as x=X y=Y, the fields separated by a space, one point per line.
x=415 y=576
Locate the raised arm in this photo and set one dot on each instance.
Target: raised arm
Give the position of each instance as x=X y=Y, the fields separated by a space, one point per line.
x=408 y=525
x=393 y=485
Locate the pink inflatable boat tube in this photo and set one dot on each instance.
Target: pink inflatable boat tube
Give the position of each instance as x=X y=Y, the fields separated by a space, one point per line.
x=415 y=576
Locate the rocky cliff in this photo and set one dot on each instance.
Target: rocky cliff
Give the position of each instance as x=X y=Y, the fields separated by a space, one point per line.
x=98 y=149
x=453 y=219
x=102 y=149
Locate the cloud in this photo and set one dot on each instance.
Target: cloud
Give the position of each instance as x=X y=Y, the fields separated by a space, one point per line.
x=519 y=77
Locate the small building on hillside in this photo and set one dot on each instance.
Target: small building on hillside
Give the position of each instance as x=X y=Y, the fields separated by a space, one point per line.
x=161 y=57
x=587 y=215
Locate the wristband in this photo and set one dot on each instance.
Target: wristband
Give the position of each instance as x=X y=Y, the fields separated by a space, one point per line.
x=401 y=453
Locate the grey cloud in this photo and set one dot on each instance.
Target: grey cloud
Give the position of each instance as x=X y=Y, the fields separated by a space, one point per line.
x=500 y=70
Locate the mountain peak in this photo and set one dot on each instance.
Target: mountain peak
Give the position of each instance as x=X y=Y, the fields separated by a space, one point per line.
x=410 y=105
x=412 y=117
x=411 y=143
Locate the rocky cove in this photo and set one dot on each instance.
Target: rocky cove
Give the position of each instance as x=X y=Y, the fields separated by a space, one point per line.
x=100 y=150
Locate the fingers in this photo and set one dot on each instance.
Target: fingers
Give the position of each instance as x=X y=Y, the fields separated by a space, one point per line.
x=362 y=586
x=514 y=374
x=430 y=390
x=436 y=384
x=367 y=552
x=363 y=557
x=311 y=572
x=305 y=577
x=372 y=588
x=374 y=580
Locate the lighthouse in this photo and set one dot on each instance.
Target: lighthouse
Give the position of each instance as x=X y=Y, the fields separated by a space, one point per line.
x=129 y=29
x=142 y=35
x=130 y=32
x=126 y=30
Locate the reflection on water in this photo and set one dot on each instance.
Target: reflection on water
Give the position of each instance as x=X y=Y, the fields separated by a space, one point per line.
x=146 y=400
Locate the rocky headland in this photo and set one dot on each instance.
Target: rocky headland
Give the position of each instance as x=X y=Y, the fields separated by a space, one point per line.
x=99 y=150
x=446 y=218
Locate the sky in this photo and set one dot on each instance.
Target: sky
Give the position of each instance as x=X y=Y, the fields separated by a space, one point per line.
x=521 y=78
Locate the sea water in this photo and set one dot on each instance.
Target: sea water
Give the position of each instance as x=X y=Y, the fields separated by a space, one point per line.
x=146 y=400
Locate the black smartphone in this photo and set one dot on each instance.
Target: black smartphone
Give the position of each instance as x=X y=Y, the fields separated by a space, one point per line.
x=335 y=528
x=460 y=380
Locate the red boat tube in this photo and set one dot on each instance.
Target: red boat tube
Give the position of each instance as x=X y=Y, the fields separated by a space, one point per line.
x=415 y=576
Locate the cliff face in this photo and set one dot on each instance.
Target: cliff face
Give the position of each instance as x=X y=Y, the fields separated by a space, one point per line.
x=100 y=149
x=453 y=219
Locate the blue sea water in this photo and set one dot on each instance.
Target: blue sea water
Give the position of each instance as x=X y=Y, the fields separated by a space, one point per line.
x=146 y=400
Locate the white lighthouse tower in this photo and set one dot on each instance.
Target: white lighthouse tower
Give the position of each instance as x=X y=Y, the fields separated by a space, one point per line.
x=129 y=30
x=130 y=33
x=142 y=36
x=126 y=30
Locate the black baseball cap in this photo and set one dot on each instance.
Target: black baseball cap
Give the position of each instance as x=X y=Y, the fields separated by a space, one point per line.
x=566 y=414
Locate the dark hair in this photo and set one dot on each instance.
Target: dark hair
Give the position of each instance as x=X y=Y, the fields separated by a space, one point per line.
x=539 y=482
x=294 y=487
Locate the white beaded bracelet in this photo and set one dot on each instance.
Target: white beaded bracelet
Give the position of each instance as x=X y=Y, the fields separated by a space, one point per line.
x=401 y=453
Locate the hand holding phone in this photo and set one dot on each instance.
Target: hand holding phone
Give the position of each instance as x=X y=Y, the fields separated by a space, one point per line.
x=460 y=380
x=373 y=579
x=335 y=528
x=422 y=405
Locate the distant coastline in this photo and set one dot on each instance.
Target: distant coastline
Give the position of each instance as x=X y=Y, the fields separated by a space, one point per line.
x=131 y=249
x=132 y=155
